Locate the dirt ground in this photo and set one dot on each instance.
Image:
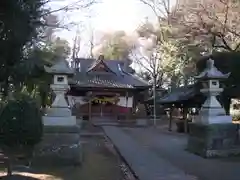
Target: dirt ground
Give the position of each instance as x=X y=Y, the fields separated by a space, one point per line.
x=99 y=163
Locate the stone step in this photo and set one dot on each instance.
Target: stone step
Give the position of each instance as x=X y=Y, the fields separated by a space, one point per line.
x=59 y=112
x=59 y=121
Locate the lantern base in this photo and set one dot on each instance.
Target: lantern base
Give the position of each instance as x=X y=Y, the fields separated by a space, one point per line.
x=215 y=140
x=213 y=119
x=59 y=112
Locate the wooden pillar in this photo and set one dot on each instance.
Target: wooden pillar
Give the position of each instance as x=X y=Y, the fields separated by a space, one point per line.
x=101 y=109
x=118 y=109
x=185 y=111
x=90 y=110
x=134 y=106
x=170 y=118
x=115 y=110
x=127 y=105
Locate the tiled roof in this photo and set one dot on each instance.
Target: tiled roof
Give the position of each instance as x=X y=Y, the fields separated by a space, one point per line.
x=99 y=81
x=118 y=78
x=96 y=63
x=179 y=94
x=160 y=92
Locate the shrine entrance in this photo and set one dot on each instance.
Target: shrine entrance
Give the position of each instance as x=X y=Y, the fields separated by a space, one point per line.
x=103 y=106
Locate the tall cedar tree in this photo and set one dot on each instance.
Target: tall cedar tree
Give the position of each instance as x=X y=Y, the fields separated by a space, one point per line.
x=19 y=24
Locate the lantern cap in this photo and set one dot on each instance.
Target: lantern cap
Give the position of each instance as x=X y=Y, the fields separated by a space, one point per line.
x=211 y=72
x=61 y=67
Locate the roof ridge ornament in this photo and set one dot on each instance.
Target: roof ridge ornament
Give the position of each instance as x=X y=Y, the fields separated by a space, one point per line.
x=100 y=61
x=211 y=64
x=101 y=57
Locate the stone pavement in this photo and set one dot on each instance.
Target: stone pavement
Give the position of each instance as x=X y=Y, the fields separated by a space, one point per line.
x=146 y=164
x=171 y=147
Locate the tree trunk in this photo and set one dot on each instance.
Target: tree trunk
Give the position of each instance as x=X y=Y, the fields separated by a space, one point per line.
x=185 y=112
x=43 y=96
x=9 y=166
x=185 y=81
x=225 y=102
x=6 y=88
x=173 y=82
x=154 y=101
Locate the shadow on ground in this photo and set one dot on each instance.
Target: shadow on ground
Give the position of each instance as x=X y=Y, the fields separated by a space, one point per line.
x=98 y=164
x=17 y=177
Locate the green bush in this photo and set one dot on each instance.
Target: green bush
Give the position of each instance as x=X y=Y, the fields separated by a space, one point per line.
x=20 y=122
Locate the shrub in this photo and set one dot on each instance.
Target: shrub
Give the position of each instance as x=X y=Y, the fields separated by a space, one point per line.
x=20 y=122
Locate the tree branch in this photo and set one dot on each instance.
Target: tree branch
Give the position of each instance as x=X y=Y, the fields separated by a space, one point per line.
x=237 y=47
x=225 y=46
x=207 y=22
x=154 y=8
x=70 y=7
x=139 y=61
x=166 y=6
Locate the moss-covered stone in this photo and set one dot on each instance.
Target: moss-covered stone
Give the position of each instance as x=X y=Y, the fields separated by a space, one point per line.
x=213 y=140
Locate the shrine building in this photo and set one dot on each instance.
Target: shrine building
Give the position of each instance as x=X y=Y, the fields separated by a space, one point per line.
x=105 y=88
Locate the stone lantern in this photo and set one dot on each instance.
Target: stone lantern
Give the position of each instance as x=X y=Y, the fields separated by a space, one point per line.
x=61 y=137
x=212 y=134
x=59 y=113
x=212 y=111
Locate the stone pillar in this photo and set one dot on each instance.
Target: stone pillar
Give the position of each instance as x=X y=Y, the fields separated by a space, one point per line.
x=212 y=134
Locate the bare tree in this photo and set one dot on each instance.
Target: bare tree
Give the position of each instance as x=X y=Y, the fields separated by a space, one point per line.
x=160 y=37
x=91 y=45
x=76 y=5
x=158 y=57
x=76 y=45
x=51 y=20
x=171 y=32
x=149 y=61
x=161 y=8
x=214 y=24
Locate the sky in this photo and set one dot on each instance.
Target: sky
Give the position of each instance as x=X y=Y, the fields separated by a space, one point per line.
x=105 y=16
x=120 y=15
x=108 y=15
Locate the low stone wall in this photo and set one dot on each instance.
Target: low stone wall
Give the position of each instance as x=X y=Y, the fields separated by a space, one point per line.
x=215 y=140
x=61 y=143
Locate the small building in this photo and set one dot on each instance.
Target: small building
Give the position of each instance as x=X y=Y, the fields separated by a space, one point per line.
x=105 y=88
x=186 y=96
